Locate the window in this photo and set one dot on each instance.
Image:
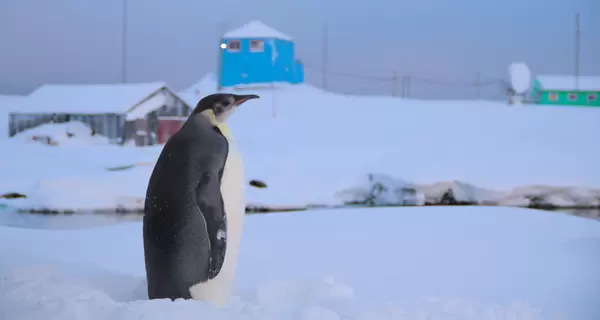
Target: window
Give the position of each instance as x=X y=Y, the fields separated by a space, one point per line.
x=572 y=96
x=256 y=46
x=233 y=45
x=552 y=96
x=591 y=97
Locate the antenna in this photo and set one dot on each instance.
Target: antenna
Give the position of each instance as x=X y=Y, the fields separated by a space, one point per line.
x=124 y=42
x=520 y=80
x=325 y=54
x=577 y=40
x=220 y=33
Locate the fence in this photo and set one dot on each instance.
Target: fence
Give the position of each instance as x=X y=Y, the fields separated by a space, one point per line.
x=394 y=83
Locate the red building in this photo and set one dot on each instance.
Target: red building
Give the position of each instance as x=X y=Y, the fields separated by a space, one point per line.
x=167 y=126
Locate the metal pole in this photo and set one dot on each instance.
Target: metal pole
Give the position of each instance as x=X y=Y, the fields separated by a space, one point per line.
x=220 y=33
x=478 y=85
x=403 y=82
x=577 y=40
x=124 y=43
x=394 y=79
x=325 y=54
x=273 y=103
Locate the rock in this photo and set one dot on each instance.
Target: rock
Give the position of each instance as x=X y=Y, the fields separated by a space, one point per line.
x=12 y=195
x=257 y=184
x=457 y=193
x=382 y=190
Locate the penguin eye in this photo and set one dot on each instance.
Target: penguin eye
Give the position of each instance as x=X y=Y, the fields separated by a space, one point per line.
x=221 y=106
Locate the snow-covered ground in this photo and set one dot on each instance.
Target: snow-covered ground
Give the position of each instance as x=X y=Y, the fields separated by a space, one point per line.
x=314 y=147
x=390 y=263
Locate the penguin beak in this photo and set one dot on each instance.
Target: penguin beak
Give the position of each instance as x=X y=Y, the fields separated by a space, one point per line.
x=239 y=99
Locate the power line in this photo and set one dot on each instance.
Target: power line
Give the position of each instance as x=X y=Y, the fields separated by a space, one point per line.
x=325 y=54
x=477 y=85
x=350 y=75
x=220 y=33
x=577 y=39
x=395 y=76
x=407 y=82
x=124 y=42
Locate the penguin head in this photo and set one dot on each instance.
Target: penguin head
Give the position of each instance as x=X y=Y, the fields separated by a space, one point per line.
x=220 y=106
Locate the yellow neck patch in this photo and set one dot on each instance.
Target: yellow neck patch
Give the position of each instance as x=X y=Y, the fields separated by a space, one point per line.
x=222 y=126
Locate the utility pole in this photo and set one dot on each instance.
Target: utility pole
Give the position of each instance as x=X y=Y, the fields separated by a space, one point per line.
x=478 y=85
x=577 y=40
x=403 y=86
x=325 y=54
x=124 y=42
x=221 y=47
x=394 y=79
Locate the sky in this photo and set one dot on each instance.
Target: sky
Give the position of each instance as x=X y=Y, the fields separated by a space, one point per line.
x=442 y=45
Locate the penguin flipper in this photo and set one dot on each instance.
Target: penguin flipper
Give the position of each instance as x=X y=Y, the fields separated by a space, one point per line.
x=211 y=205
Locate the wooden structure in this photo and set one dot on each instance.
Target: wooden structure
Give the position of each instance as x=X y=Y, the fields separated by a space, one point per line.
x=121 y=112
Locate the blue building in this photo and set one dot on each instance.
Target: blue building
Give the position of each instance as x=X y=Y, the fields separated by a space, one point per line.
x=256 y=54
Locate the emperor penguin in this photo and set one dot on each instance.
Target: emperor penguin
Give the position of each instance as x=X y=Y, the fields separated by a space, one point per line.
x=195 y=206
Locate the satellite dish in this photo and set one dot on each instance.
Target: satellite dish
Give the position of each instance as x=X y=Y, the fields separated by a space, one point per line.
x=520 y=77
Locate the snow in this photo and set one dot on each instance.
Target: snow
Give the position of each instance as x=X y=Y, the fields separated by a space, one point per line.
x=408 y=263
x=557 y=196
x=310 y=147
x=257 y=30
x=115 y=98
x=76 y=174
x=567 y=83
x=72 y=132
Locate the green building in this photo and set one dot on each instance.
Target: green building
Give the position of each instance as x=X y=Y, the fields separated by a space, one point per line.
x=566 y=90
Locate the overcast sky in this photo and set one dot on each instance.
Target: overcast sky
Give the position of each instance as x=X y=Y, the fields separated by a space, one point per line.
x=76 y=41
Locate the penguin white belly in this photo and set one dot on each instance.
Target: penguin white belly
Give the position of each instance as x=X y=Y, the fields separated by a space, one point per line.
x=218 y=290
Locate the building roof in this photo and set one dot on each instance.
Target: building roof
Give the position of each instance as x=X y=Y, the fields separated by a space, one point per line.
x=255 y=29
x=90 y=98
x=567 y=83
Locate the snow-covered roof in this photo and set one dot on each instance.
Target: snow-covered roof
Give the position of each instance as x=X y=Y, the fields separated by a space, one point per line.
x=89 y=98
x=255 y=29
x=568 y=83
